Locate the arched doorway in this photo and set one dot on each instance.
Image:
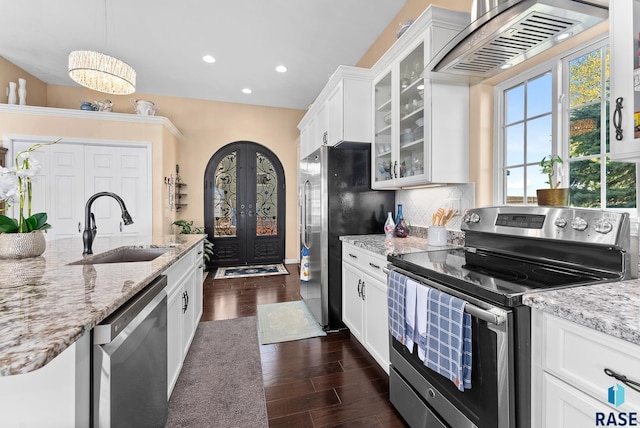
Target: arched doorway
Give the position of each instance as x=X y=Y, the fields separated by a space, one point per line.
x=244 y=205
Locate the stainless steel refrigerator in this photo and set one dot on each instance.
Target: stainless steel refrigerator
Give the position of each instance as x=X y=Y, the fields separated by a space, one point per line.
x=336 y=199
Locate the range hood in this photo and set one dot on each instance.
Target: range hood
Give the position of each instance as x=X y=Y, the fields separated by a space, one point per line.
x=506 y=33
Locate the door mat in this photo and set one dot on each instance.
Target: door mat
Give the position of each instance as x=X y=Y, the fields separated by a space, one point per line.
x=246 y=271
x=283 y=322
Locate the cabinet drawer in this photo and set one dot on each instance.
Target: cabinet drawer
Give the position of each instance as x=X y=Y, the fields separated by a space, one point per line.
x=579 y=355
x=366 y=261
x=179 y=269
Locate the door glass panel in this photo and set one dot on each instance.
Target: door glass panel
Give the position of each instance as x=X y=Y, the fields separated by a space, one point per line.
x=225 y=196
x=411 y=157
x=266 y=197
x=383 y=122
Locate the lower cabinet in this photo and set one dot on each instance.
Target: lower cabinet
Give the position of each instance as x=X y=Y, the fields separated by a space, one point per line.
x=569 y=385
x=184 y=309
x=364 y=301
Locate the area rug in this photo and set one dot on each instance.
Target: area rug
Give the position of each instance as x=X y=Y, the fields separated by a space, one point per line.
x=283 y=322
x=246 y=271
x=221 y=384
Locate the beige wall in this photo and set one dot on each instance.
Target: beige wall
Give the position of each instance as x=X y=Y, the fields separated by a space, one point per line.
x=36 y=89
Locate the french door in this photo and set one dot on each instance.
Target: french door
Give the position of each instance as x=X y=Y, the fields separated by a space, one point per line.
x=244 y=200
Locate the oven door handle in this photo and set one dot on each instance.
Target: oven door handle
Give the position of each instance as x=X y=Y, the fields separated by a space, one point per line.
x=492 y=315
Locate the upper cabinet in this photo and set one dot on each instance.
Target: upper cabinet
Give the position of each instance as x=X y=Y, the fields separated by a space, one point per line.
x=625 y=80
x=420 y=127
x=340 y=113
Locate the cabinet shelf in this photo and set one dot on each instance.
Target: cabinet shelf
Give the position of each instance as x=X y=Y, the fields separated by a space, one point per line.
x=411 y=143
x=412 y=87
x=385 y=130
x=385 y=106
x=413 y=115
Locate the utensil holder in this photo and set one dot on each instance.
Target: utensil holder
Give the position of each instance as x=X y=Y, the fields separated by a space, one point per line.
x=437 y=236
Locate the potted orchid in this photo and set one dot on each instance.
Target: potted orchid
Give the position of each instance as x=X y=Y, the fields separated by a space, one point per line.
x=22 y=236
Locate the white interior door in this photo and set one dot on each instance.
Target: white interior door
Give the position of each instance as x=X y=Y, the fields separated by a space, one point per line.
x=123 y=171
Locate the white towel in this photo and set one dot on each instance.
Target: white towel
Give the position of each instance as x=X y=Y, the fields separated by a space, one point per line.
x=410 y=313
x=422 y=297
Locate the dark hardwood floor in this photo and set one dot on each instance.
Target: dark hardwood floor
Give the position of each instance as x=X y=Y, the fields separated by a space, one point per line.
x=327 y=381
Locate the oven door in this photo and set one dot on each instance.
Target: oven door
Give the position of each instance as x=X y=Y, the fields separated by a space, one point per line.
x=423 y=396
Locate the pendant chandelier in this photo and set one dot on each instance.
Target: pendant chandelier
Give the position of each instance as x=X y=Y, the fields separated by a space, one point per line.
x=102 y=73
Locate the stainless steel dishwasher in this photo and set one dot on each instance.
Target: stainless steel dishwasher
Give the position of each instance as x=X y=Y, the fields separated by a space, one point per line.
x=130 y=362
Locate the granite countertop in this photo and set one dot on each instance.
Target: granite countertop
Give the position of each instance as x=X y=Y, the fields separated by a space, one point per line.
x=384 y=246
x=46 y=305
x=612 y=308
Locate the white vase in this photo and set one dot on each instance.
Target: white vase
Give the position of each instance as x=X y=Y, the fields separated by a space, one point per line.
x=22 y=92
x=22 y=245
x=11 y=93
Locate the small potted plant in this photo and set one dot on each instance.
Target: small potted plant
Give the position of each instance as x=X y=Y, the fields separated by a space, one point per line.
x=554 y=195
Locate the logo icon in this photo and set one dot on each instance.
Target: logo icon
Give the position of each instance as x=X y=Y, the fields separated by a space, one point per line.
x=616 y=395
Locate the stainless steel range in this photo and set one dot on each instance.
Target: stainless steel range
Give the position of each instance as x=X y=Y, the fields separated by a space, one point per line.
x=508 y=252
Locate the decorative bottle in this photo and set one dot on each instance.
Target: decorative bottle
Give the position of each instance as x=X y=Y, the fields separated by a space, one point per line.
x=401 y=226
x=389 y=226
x=11 y=93
x=22 y=92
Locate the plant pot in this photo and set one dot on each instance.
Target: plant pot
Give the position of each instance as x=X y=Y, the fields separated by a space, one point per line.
x=22 y=245
x=553 y=197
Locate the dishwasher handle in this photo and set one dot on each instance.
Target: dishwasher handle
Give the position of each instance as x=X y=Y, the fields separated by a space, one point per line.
x=114 y=324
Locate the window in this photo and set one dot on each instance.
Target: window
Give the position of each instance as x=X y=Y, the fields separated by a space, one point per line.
x=528 y=127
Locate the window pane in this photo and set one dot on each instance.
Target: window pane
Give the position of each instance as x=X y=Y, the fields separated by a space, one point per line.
x=515 y=145
x=538 y=139
x=585 y=183
x=539 y=96
x=514 y=104
x=621 y=184
x=266 y=197
x=585 y=74
x=224 y=197
x=606 y=134
x=515 y=185
x=584 y=131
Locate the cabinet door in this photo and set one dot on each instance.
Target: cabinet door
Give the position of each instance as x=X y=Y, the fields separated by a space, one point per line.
x=383 y=123
x=376 y=320
x=174 y=336
x=625 y=77
x=336 y=115
x=352 y=303
x=123 y=171
x=197 y=298
x=321 y=127
x=188 y=311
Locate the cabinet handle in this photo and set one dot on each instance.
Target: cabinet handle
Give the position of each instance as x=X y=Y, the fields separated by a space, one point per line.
x=622 y=378
x=374 y=265
x=395 y=169
x=199 y=252
x=120 y=226
x=362 y=290
x=325 y=138
x=359 y=284
x=617 y=119
x=79 y=227
x=353 y=256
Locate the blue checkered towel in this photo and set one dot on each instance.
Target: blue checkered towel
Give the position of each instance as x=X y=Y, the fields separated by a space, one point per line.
x=448 y=338
x=396 y=305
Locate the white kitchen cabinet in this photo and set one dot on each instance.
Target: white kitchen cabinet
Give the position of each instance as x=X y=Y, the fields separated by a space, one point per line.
x=184 y=309
x=625 y=79
x=339 y=113
x=364 y=301
x=569 y=384
x=420 y=127
x=72 y=172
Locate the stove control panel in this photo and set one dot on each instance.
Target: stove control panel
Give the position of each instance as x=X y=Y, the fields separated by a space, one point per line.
x=555 y=223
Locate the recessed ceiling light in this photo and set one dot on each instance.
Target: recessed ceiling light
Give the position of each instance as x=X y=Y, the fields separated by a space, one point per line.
x=505 y=66
x=562 y=36
x=246 y=91
x=281 y=69
x=209 y=59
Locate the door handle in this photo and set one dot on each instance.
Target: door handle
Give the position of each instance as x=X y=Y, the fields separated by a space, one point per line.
x=79 y=227
x=362 y=290
x=120 y=226
x=359 y=285
x=395 y=169
x=250 y=210
x=617 y=119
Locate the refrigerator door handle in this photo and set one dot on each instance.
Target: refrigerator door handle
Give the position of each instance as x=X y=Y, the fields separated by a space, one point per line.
x=305 y=231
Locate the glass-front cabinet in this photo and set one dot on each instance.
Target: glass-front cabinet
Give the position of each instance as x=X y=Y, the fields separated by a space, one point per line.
x=420 y=126
x=624 y=29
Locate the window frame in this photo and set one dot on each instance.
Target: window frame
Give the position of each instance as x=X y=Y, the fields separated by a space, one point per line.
x=558 y=67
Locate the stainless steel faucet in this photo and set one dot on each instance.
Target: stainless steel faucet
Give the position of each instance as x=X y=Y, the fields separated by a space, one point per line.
x=90 y=221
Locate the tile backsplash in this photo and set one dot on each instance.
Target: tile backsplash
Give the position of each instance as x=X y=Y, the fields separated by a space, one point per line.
x=418 y=205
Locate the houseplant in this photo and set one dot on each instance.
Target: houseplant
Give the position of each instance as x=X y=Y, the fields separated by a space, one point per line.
x=554 y=195
x=187 y=227
x=23 y=236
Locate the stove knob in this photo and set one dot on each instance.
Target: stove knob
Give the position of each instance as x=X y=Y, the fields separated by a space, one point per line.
x=579 y=224
x=603 y=226
x=474 y=218
x=561 y=222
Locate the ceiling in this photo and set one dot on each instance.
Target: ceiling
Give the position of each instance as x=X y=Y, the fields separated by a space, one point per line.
x=165 y=41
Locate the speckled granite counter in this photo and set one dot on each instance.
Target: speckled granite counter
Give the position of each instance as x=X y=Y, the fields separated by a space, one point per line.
x=46 y=305
x=612 y=308
x=379 y=244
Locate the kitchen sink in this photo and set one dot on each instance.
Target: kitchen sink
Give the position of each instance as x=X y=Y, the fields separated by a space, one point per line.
x=124 y=255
